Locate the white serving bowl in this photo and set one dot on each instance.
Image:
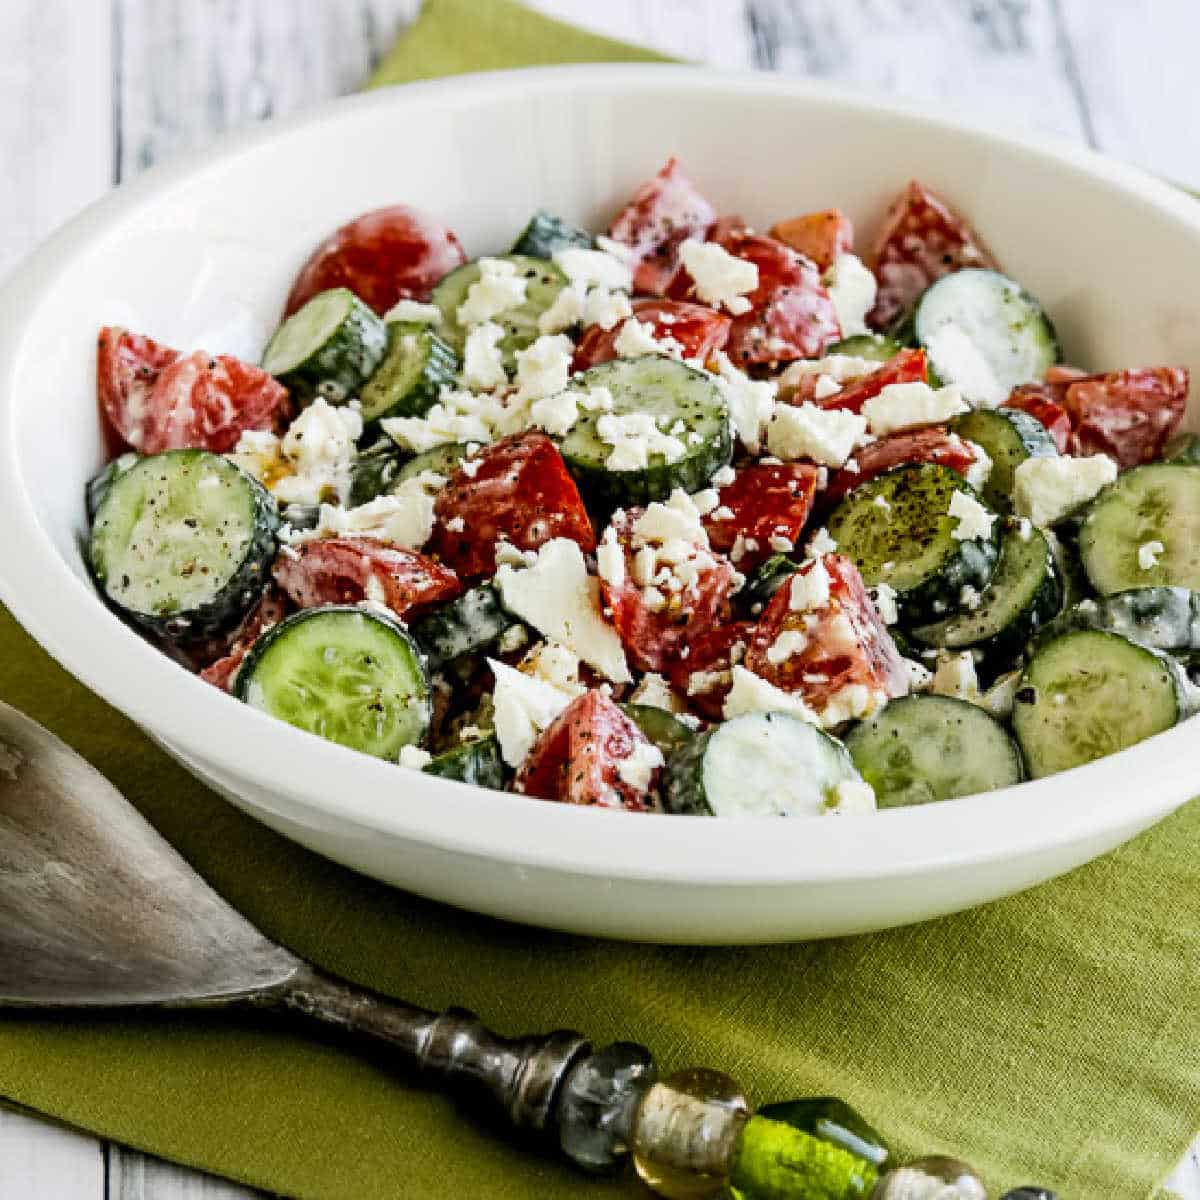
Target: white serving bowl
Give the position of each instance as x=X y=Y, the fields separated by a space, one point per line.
x=202 y=253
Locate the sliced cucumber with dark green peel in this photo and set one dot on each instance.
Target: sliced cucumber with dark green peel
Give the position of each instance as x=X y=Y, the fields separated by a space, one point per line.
x=1025 y=592
x=898 y=530
x=874 y=346
x=684 y=402
x=984 y=333
x=98 y=485
x=758 y=765
x=348 y=675
x=1156 y=503
x=374 y=471
x=479 y=763
x=764 y=581
x=924 y=748
x=465 y=625
x=1008 y=437
x=1163 y=618
x=662 y=728
x=1184 y=449
x=543 y=282
x=300 y=516
x=1088 y=694
x=415 y=368
x=441 y=460
x=547 y=233
x=328 y=348
x=183 y=542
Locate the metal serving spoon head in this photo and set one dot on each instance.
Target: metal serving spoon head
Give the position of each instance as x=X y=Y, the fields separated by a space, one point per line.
x=95 y=907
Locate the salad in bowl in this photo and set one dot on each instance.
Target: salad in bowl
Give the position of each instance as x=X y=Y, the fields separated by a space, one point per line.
x=683 y=516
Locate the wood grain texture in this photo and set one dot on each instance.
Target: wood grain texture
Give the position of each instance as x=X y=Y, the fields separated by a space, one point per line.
x=94 y=91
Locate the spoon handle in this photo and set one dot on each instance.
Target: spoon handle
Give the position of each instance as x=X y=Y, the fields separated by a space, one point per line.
x=520 y=1077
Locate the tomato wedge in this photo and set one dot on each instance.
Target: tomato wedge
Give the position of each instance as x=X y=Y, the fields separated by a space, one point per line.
x=765 y=506
x=701 y=331
x=704 y=675
x=821 y=236
x=934 y=444
x=1128 y=415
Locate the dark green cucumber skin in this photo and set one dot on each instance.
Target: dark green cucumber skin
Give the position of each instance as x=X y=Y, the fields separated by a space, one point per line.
x=606 y=490
x=1046 y=732
x=662 y=728
x=547 y=233
x=887 y=750
x=383 y=467
x=1185 y=450
x=301 y=516
x=98 y=485
x=385 y=394
x=1009 y=436
x=875 y=346
x=912 y=521
x=764 y=581
x=478 y=763
x=683 y=780
x=245 y=586
x=976 y=630
x=1163 y=618
x=465 y=625
x=337 y=371
x=441 y=460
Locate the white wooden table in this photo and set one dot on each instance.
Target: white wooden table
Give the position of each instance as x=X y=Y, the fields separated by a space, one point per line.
x=93 y=91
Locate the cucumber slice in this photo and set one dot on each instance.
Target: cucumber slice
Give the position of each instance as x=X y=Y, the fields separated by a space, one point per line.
x=1163 y=618
x=543 y=283
x=758 y=765
x=1184 y=449
x=465 y=625
x=546 y=233
x=479 y=763
x=348 y=675
x=924 y=748
x=662 y=728
x=1025 y=591
x=1089 y=694
x=183 y=543
x=328 y=348
x=984 y=333
x=680 y=399
x=874 y=346
x=381 y=469
x=300 y=516
x=441 y=460
x=1155 y=503
x=414 y=369
x=1008 y=437
x=98 y=485
x=764 y=581
x=898 y=530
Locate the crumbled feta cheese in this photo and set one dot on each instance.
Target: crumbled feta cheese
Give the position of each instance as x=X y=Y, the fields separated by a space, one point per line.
x=824 y=435
x=637 y=339
x=909 y=405
x=498 y=289
x=919 y=678
x=788 y=643
x=974 y=521
x=524 y=706
x=508 y=555
x=404 y=516
x=634 y=437
x=700 y=683
x=979 y=471
x=821 y=543
x=881 y=501
x=884 y=596
x=544 y=367
x=556 y=665
x=854 y=702
x=512 y=639
x=610 y=559
x=810 y=588
x=722 y=513
x=653 y=599
x=567 y=310
x=637 y=768
x=594 y=268
x=458 y=416
x=958 y=358
x=413 y=312
x=1047 y=489
x=840 y=367
x=653 y=692
x=852 y=289
x=751 y=693
x=561 y=601
x=483 y=361
x=751 y=402
x=955 y=676
x=556 y=414
x=1024 y=529
x=1148 y=553
x=456 y=525
x=851 y=796
x=781 y=544
x=1000 y=698
x=414 y=757
x=723 y=477
x=969 y=598
x=826 y=386
x=258 y=453
x=618 y=250
x=596 y=399
x=605 y=308
x=719 y=278
x=319 y=448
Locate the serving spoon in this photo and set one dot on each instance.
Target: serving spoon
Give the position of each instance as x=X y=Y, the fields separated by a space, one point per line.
x=98 y=911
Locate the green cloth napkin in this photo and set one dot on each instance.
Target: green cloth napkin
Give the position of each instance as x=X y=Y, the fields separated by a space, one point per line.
x=1050 y=1037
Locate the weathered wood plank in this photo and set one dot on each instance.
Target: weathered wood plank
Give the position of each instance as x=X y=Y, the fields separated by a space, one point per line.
x=43 y=1161
x=133 y=1176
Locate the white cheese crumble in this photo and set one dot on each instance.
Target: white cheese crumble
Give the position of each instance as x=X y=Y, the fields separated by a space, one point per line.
x=458 y=416
x=723 y=477
x=498 y=289
x=1000 y=698
x=413 y=312
x=670 y=549
x=610 y=559
x=851 y=796
x=974 y=521
x=839 y=367
x=719 y=278
x=919 y=677
x=556 y=665
x=979 y=471
x=556 y=414
x=594 y=268
x=751 y=693
x=824 y=435
x=955 y=676
x=1148 y=553
x=853 y=702
x=483 y=362
x=654 y=692
x=826 y=386
x=317 y=451
x=596 y=292
x=810 y=588
x=561 y=601
x=852 y=289
x=958 y=358
x=636 y=339
x=524 y=706
x=637 y=768
x=884 y=596
x=969 y=598
x=821 y=543
x=751 y=402
x=1047 y=489
x=911 y=405
x=633 y=438
x=404 y=517
x=544 y=367
x=789 y=642
x=414 y=757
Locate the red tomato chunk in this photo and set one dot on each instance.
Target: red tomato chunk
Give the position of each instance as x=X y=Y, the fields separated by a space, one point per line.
x=934 y=444
x=700 y=330
x=579 y=759
x=1043 y=401
x=704 y=675
x=764 y=503
x=270 y=610
x=1128 y=415
x=821 y=236
x=908 y=366
x=391 y=254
